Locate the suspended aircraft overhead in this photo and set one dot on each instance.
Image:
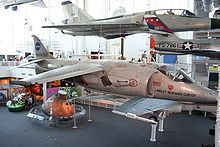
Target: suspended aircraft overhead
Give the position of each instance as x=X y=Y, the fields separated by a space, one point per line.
x=166 y=21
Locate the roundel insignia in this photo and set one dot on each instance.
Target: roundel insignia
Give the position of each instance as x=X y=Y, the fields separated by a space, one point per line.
x=133 y=83
x=37 y=46
x=170 y=87
x=187 y=45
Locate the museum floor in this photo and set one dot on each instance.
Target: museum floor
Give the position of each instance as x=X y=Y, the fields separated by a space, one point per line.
x=106 y=130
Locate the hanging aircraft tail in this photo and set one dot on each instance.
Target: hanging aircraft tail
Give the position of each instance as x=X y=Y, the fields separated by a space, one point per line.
x=39 y=49
x=167 y=44
x=168 y=40
x=74 y=14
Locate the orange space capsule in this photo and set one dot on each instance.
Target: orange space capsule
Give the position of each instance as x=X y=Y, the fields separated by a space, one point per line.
x=58 y=105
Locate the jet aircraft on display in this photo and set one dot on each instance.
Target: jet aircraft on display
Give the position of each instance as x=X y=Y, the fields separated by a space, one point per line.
x=13 y=3
x=79 y=23
x=171 y=44
x=151 y=87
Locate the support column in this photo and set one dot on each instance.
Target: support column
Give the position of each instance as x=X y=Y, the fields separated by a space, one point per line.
x=89 y=111
x=74 y=122
x=161 y=118
x=205 y=114
x=45 y=91
x=122 y=47
x=161 y=125
x=217 y=125
x=153 y=132
x=190 y=112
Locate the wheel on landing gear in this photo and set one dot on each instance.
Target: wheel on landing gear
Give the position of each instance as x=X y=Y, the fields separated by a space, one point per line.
x=15 y=8
x=153 y=117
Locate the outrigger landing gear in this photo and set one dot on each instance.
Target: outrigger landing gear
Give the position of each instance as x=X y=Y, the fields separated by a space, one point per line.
x=150 y=121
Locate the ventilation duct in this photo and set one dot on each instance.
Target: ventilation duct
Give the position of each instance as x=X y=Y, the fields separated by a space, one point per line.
x=208 y=7
x=216 y=3
x=198 y=5
x=199 y=9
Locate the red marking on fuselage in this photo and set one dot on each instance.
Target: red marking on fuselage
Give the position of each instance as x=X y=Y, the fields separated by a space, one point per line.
x=155 y=83
x=133 y=83
x=156 y=24
x=170 y=87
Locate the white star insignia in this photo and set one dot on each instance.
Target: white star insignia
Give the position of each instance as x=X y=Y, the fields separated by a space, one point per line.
x=187 y=46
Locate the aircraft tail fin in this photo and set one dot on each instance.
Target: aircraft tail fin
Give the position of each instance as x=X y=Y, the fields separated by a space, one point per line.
x=40 y=50
x=74 y=14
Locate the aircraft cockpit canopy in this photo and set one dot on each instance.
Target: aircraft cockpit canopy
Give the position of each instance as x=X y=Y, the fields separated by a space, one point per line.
x=175 y=74
x=187 y=13
x=181 y=12
x=181 y=76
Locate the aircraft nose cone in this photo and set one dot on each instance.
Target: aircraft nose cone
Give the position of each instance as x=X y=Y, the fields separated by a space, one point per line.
x=215 y=23
x=211 y=96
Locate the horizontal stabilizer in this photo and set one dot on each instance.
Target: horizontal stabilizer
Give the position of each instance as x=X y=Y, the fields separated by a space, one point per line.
x=28 y=63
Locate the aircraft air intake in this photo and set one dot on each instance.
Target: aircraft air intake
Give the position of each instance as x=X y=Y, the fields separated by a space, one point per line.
x=215 y=23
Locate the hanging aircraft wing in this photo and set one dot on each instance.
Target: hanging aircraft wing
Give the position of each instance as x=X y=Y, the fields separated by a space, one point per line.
x=140 y=106
x=106 y=30
x=60 y=73
x=191 y=51
x=198 y=52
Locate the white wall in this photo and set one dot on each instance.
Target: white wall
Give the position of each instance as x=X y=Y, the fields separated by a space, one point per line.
x=135 y=45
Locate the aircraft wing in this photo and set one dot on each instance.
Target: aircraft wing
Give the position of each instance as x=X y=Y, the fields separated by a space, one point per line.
x=136 y=105
x=106 y=30
x=105 y=96
x=60 y=73
x=140 y=106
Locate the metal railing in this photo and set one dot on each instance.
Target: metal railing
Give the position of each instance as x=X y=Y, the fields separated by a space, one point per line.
x=10 y=63
x=14 y=63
